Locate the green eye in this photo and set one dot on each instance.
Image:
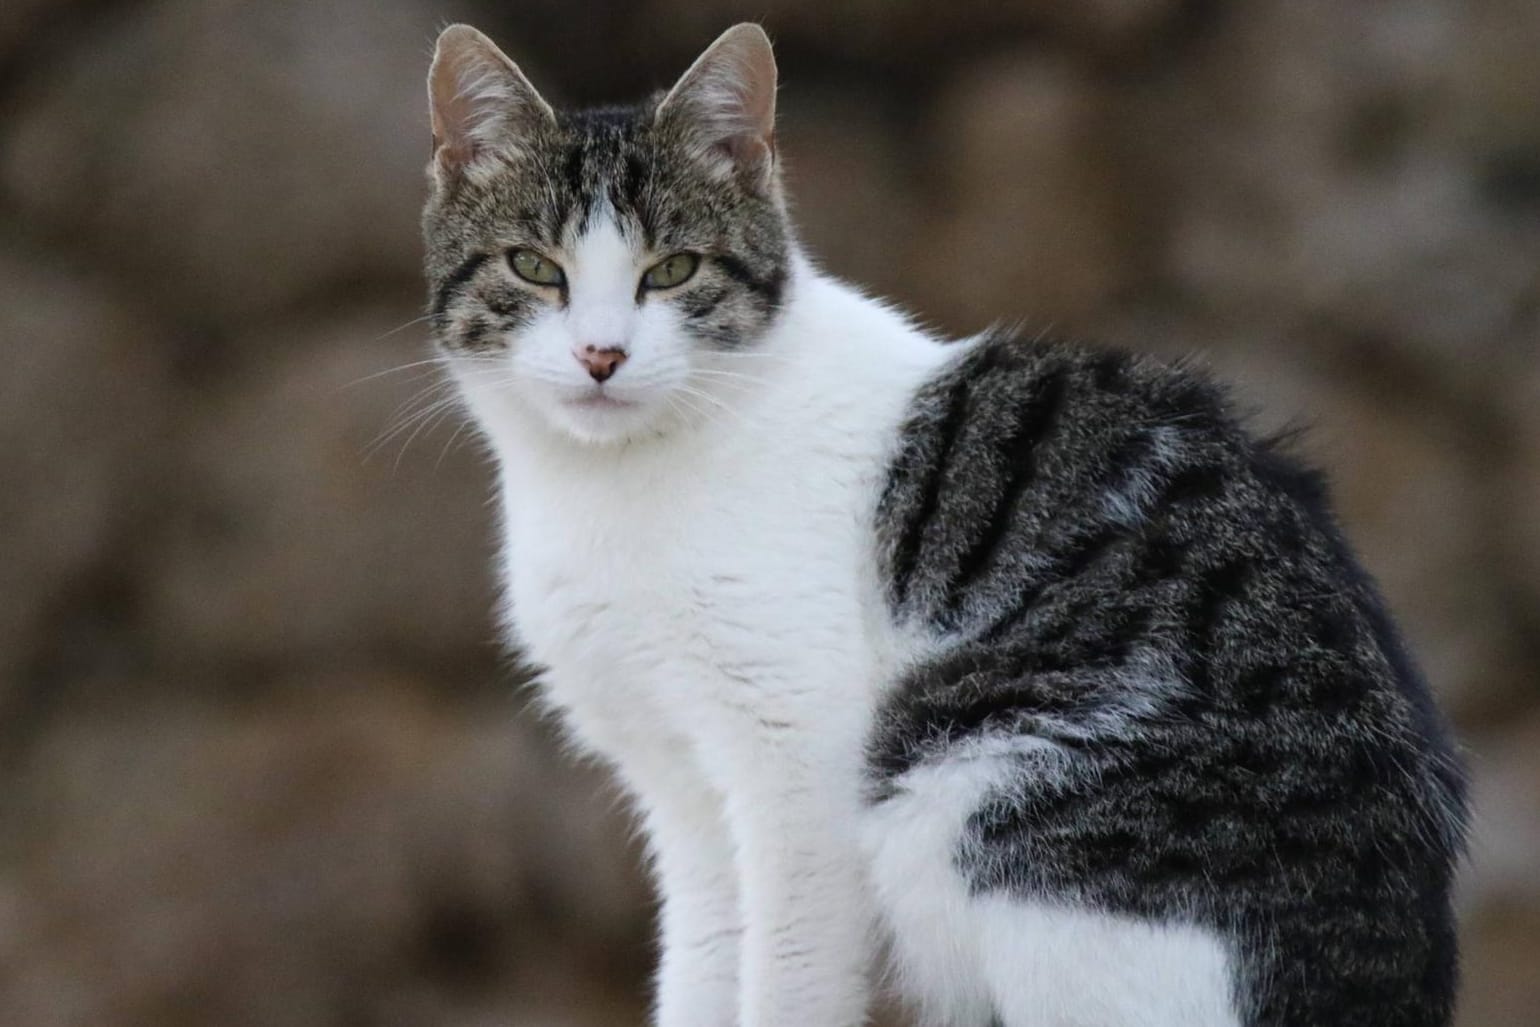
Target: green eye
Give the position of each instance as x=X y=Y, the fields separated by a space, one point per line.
x=532 y=267
x=675 y=270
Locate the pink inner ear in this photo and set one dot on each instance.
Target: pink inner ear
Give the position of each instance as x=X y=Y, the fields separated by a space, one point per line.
x=448 y=109
x=477 y=98
x=748 y=150
x=457 y=154
x=729 y=95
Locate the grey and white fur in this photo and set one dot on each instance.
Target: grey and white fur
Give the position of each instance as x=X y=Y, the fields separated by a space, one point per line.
x=1014 y=674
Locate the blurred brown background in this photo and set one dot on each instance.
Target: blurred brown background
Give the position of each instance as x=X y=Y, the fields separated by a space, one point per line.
x=261 y=762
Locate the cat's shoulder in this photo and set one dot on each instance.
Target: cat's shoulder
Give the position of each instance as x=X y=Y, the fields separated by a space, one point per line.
x=1002 y=377
x=1087 y=429
x=1015 y=365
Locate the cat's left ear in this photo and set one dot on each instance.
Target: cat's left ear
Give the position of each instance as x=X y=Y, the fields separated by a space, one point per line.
x=479 y=102
x=725 y=104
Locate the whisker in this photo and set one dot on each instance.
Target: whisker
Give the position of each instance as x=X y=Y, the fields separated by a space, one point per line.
x=729 y=377
x=701 y=413
x=415 y=420
x=439 y=361
x=749 y=354
x=714 y=401
x=444 y=410
x=445 y=451
x=425 y=394
x=414 y=411
x=700 y=394
x=404 y=327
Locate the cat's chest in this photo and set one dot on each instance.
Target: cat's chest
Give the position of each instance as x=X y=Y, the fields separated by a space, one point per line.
x=644 y=590
x=592 y=596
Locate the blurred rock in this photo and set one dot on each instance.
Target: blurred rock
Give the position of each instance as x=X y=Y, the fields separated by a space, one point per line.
x=1499 y=985
x=228 y=157
x=856 y=197
x=1028 y=223
x=903 y=36
x=327 y=511
x=1517 y=491
x=1495 y=81
x=1500 y=891
x=83 y=402
x=19 y=20
x=1505 y=834
x=347 y=856
x=1316 y=171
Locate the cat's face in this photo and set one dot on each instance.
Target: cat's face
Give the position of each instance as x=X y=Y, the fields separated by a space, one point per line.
x=601 y=269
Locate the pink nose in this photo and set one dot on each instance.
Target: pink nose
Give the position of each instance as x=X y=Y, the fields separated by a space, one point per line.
x=601 y=362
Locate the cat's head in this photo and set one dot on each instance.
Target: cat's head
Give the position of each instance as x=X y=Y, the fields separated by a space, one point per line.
x=600 y=268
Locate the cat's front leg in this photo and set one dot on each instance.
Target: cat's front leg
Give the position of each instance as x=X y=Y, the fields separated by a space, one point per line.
x=806 y=912
x=700 y=922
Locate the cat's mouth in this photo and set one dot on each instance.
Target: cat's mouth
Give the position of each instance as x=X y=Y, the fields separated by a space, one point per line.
x=599 y=400
x=603 y=413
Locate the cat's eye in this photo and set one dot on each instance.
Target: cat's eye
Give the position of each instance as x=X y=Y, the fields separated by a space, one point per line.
x=532 y=267
x=671 y=271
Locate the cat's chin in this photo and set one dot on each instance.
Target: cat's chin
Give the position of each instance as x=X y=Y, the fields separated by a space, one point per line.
x=603 y=419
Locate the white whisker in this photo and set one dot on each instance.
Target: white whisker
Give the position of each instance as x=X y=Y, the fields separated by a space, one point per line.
x=455 y=435
x=701 y=413
x=729 y=377
x=403 y=327
x=431 y=361
x=444 y=409
x=701 y=394
x=413 y=414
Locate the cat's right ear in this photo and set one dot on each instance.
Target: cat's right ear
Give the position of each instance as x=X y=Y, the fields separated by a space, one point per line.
x=479 y=102
x=726 y=105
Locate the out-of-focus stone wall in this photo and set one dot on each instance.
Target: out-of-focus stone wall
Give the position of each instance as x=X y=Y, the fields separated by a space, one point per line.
x=261 y=761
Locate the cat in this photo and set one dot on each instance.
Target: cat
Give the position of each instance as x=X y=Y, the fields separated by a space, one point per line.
x=1015 y=673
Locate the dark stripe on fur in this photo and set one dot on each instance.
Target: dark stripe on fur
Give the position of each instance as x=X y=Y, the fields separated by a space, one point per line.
x=768 y=287
x=456 y=281
x=1218 y=724
x=1033 y=426
x=923 y=507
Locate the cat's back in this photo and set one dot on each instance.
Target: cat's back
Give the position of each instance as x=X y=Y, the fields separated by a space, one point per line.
x=1100 y=507
x=1224 y=726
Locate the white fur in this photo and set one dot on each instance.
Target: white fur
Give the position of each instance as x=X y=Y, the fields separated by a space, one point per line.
x=697 y=574
x=960 y=957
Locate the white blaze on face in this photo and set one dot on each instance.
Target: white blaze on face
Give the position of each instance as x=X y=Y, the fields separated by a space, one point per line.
x=601 y=309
